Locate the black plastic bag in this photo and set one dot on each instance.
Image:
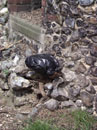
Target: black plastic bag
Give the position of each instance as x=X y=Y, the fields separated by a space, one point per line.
x=45 y=64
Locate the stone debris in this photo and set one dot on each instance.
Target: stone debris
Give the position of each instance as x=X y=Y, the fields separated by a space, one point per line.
x=71 y=38
x=17 y=82
x=52 y=104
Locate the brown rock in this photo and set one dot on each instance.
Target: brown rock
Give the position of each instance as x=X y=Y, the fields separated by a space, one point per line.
x=93 y=50
x=87 y=98
x=81 y=68
x=94 y=80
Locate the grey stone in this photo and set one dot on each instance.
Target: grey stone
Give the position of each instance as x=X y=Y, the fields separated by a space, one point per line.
x=75 y=36
x=93 y=71
x=91 y=89
x=76 y=56
x=94 y=80
x=28 y=52
x=57 y=82
x=5 y=87
x=85 y=2
x=96 y=103
x=4 y=11
x=35 y=111
x=52 y=104
x=69 y=75
x=69 y=64
x=70 y=22
x=1 y=83
x=73 y=92
x=81 y=68
x=48 y=86
x=90 y=60
x=93 y=50
x=20 y=117
x=5 y=64
x=79 y=103
x=20 y=67
x=60 y=94
x=18 y=102
x=16 y=60
x=94 y=39
x=67 y=52
x=82 y=81
x=3 y=20
x=17 y=82
x=67 y=104
x=87 y=98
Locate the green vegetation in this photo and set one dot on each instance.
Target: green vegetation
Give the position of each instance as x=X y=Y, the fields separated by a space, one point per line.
x=39 y=125
x=83 y=120
x=6 y=71
x=80 y=120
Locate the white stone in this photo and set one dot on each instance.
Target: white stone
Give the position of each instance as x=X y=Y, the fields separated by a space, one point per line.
x=4 y=11
x=17 y=82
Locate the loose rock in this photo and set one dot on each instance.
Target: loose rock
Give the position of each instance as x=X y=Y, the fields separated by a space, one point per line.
x=52 y=104
x=87 y=98
x=17 y=82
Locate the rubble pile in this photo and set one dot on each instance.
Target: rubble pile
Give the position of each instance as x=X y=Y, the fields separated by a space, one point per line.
x=71 y=35
x=72 y=38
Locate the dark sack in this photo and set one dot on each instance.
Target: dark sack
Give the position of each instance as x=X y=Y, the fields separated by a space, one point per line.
x=44 y=64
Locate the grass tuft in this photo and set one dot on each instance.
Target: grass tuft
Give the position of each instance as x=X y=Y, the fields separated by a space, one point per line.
x=83 y=120
x=39 y=125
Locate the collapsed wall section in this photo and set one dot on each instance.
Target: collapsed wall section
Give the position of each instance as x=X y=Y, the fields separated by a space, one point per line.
x=71 y=35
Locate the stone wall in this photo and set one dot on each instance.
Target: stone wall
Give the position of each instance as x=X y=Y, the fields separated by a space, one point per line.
x=36 y=4
x=71 y=34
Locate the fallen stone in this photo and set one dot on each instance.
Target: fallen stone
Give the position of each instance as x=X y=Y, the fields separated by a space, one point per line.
x=81 y=68
x=18 y=102
x=20 y=67
x=48 y=86
x=91 y=89
x=28 y=52
x=75 y=36
x=52 y=104
x=5 y=64
x=87 y=99
x=5 y=87
x=76 y=56
x=90 y=60
x=17 y=82
x=57 y=82
x=35 y=111
x=82 y=81
x=3 y=11
x=16 y=60
x=93 y=80
x=85 y=2
x=79 y=103
x=69 y=75
x=60 y=94
x=3 y=19
x=94 y=38
x=70 y=22
x=67 y=104
x=96 y=103
x=94 y=71
x=93 y=50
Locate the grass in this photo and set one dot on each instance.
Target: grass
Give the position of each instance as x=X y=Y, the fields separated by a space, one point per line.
x=40 y=125
x=6 y=71
x=83 y=120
